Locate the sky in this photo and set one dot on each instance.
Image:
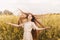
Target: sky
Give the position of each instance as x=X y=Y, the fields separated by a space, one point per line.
x=33 y=6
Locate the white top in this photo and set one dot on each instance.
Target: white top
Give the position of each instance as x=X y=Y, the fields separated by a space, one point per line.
x=28 y=26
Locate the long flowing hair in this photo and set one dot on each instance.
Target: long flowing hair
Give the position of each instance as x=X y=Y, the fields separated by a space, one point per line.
x=20 y=20
x=34 y=32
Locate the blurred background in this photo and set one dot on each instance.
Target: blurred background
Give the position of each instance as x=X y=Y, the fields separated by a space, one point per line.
x=46 y=11
x=34 y=6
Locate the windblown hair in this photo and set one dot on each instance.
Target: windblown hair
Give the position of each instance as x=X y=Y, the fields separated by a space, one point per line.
x=34 y=32
x=34 y=19
x=20 y=20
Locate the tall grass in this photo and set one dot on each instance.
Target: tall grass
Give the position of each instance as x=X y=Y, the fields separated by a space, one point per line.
x=8 y=32
x=53 y=21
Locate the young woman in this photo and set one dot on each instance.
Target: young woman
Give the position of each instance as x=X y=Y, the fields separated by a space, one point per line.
x=23 y=18
x=28 y=26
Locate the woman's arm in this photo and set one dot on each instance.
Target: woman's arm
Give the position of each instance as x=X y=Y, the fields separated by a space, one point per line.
x=35 y=27
x=14 y=24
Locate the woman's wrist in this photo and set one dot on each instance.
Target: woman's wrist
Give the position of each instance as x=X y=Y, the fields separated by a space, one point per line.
x=47 y=27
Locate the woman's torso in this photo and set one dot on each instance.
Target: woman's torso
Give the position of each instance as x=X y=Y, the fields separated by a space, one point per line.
x=27 y=27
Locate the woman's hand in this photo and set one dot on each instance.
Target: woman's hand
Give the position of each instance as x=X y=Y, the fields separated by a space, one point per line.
x=16 y=25
x=12 y=24
x=47 y=27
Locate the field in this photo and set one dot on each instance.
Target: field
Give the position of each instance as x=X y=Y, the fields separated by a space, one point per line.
x=8 y=32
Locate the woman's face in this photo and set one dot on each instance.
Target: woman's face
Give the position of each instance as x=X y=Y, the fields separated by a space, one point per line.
x=29 y=17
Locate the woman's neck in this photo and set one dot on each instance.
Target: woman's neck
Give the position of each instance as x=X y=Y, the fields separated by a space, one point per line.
x=29 y=20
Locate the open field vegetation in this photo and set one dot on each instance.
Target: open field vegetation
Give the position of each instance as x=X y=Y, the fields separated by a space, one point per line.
x=8 y=32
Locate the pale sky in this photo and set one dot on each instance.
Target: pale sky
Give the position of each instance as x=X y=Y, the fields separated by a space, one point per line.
x=33 y=6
